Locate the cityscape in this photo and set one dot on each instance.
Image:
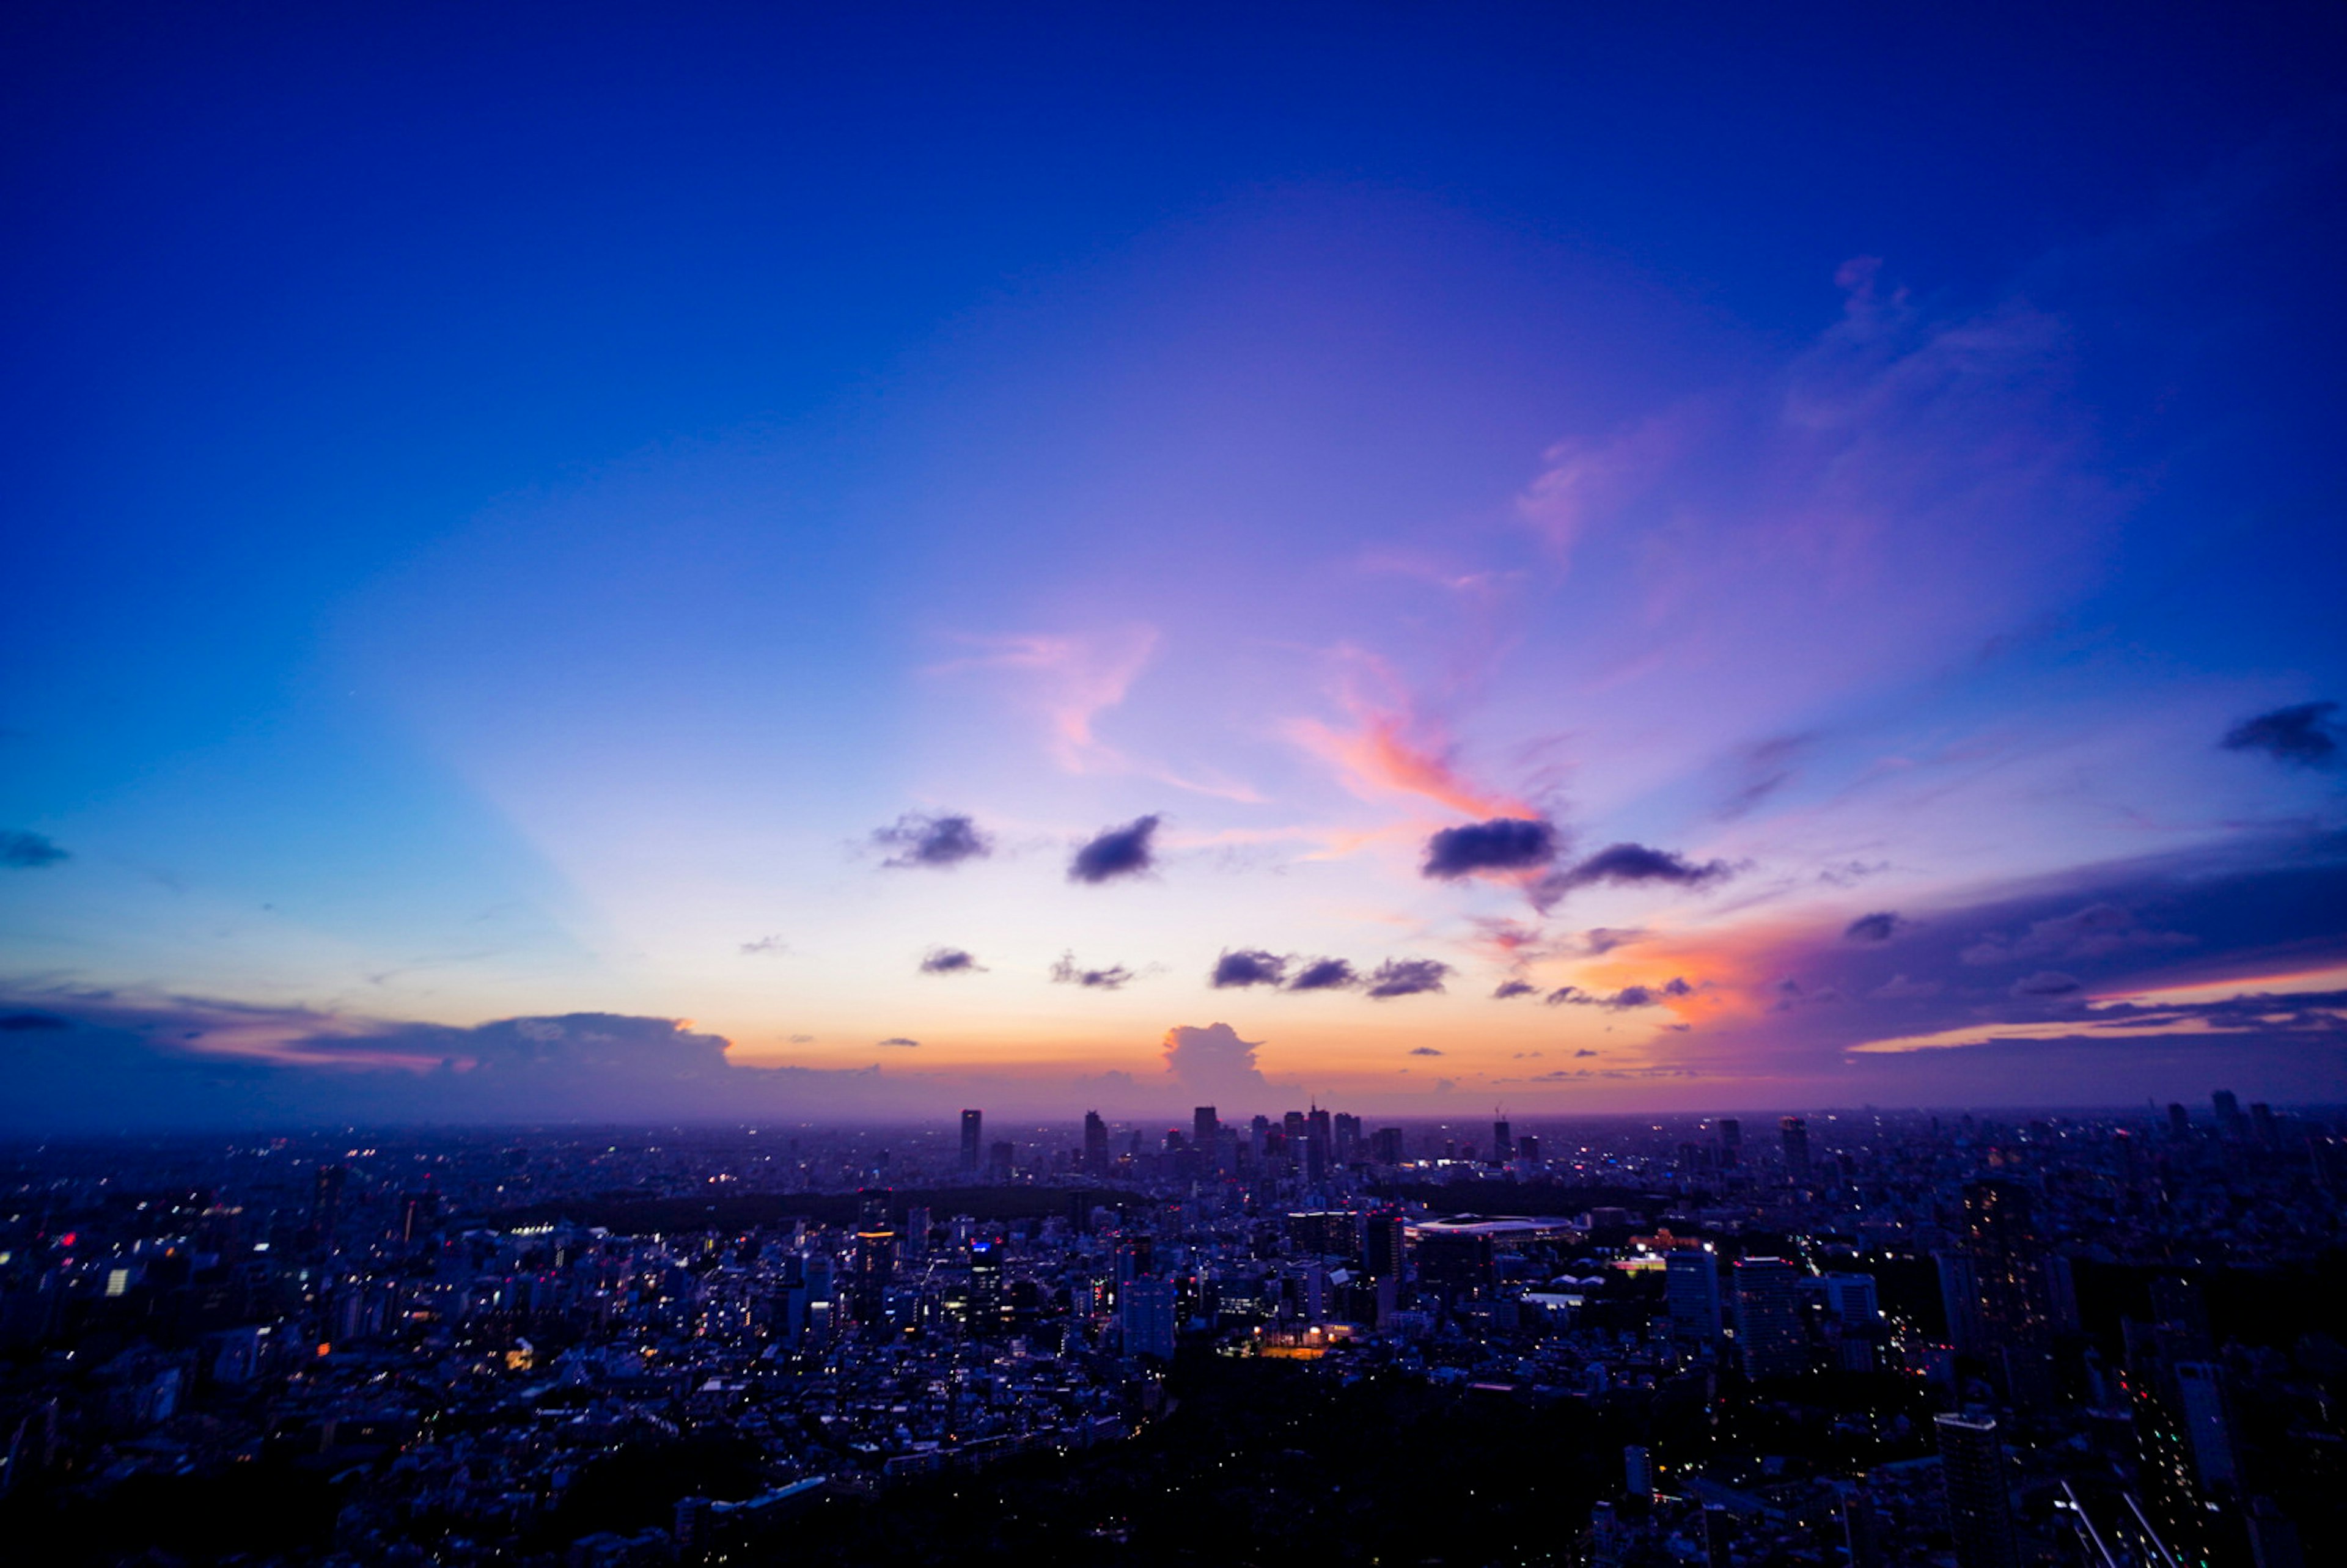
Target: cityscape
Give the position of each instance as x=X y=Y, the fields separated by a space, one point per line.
x=1867 y=1337
x=1289 y=785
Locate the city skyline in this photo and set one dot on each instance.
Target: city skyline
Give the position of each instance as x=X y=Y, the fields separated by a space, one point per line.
x=769 y=568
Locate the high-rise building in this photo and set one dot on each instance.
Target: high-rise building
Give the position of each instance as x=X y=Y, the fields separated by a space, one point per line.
x=1851 y=1297
x=1145 y=1309
x=1504 y=1142
x=876 y=1256
x=973 y=1135
x=1731 y=1143
x=2263 y=1125
x=2179 y=1121
x=2011 y=1306
x=2208 y=1427
x=326 y=1201
x=1691 y=1290
x=1527 y=1149
x=2229 y=1114
x=1980 y=1511
x=1204 y=1125
x=1382 y=1241
x=1795 y=1133
x=986 y=1295
x=1769 y=1334
x=1095 y=1143
x=1386 y=1146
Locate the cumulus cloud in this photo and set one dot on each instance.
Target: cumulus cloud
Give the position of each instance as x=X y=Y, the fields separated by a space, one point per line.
x=1878 y=927
x=1323 y=975
x=919 y=839
x=1424 y=1050
x=950 y=961
x=1213 y=1062
x=1407 y=978
x=25 y=851
x=774 y=946
x=1584 y=1052
x=1248 y=966
x=1115 y=852
x=1502 y=844
x=1629 y=865
x=1626 y=997
x=1513 y=989
x=900 y=1041
x=1068 y=972
x=2303 y=736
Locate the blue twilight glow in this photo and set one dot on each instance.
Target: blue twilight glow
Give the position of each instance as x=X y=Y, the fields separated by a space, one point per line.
x=1101 y=557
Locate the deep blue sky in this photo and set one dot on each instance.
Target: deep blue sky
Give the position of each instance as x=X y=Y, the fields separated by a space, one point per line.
x=502 y=505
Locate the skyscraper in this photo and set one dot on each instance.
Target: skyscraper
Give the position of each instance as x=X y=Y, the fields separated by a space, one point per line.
x=1095 y=1143
x=1731 y=1143
x=876 y=1256
x=1769 y=1319
x=1691 y=1287
x=2011 y=1303
x=1795 y=1132
x=972 y=1140
x=2230 y=1123
x=1204 y=1125
x=1972 y=1472
x=1504 y=1142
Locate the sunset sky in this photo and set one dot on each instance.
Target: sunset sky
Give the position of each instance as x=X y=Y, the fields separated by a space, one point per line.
x=1729 y=559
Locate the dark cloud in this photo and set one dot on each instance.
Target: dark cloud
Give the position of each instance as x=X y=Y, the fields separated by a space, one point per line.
x=2047 y=983
x=900 y=1041
x=1563 y=994
x=1629 y=865
x=1502 y=844
x=1584 y=1053
x=950 y=961
x=1323 y=975
x=1878 y=927
x=2096 y=931
x=1513 y=989
x=1424 y=1050
x=25 y=851
x=1599 y=940
x=773 y=945
x=1407 y=978
x=1116 y=851
x=919 y=839
x=2303 y=736
x=27 y=1022
x=1676 y=987
x=1248 y=966
x=1631 y=996
x=1068 y=972
x=1626 y=997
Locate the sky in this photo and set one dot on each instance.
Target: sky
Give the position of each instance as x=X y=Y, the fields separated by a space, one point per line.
x=716 y=560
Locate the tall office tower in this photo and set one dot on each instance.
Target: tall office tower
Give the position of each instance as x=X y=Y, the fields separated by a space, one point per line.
x=1204 y=1125
x=876 y=1256
x=1382 y=1244
x=1145 y=1313
x=2179 y=1121
x=2263 y=1125
x=986 y=1295
x=326 y=1201
x=1795 y=1132
x=2207 y=1425
x=2229 y=1114
x=2012 y=1308
x=1527 y=1149
x=914 y=1241
x=1971 y=1472
x=1001 y=1160
x=1731 y=1143
x=1637 y=1471
x=1691 y=1290
x=1321 y=1126
x=1348 y=1137
x=973 y=1124
x=1315 y=1157
x=1504 y=1142
x=1095 y=1143
x=1768 y=1318
x=1385 y=1146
